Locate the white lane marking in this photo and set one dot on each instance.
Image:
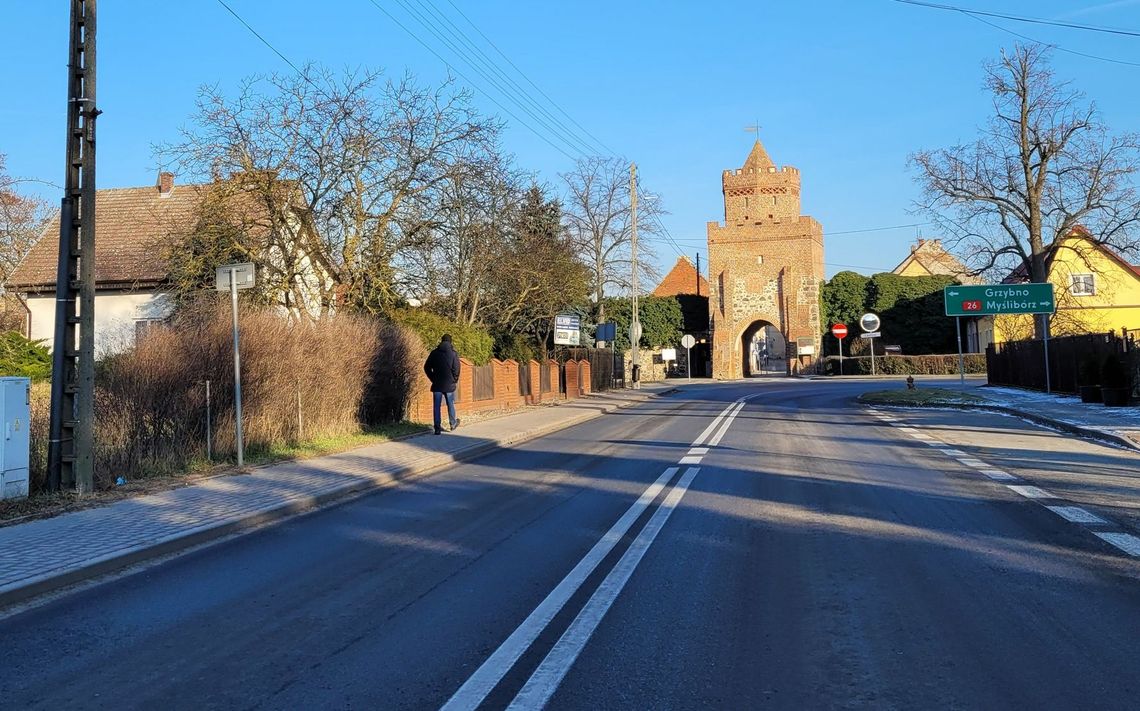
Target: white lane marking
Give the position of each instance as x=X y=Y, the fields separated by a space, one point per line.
x=1031 y=492
x=724 y=428
x=691 y=460
x=971 y=462
x=546 y=678
x=1124 y=541
x=999 y=475
x=1076 y=514
x=955 y=453
x=699 y=450
x=491 y=672
x=712 y=425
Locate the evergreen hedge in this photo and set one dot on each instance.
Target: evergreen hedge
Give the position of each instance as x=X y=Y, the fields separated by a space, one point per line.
x=906 y=365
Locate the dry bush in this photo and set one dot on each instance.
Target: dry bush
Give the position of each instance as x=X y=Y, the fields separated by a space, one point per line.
x=344 y=373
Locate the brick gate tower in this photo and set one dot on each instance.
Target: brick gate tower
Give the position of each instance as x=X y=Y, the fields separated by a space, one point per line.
x=765 y=269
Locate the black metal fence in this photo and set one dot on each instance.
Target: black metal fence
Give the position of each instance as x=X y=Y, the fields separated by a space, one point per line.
x=1022 y=363
x=602 y=371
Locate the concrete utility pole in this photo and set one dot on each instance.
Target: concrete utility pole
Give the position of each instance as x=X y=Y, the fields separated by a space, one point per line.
x=635 y=322
x=71 y=441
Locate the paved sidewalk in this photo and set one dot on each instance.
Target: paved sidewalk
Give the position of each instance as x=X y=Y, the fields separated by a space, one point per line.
x=44 y=555
x=1118 y=424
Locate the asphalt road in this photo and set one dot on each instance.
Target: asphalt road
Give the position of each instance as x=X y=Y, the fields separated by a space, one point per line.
x=813 y=557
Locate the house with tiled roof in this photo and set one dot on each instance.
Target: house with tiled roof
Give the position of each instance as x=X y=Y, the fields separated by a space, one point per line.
x=133 y=226
x=682 y=279
x=1097 y=290
x=929 y=258
x=135 y=229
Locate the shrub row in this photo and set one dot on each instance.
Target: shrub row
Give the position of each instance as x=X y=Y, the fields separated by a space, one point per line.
x=906 y=365
x=471 y=342
x=340 y=374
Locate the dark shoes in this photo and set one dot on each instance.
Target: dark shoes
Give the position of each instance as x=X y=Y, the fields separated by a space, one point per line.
x=456 y=425
x=438 y=431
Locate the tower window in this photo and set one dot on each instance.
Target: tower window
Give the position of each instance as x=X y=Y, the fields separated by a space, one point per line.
x=746 y=202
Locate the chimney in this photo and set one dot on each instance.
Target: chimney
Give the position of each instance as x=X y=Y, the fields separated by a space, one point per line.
x=165 y=183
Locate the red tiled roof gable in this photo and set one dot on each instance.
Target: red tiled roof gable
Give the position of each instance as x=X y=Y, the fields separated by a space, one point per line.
x=133 y=226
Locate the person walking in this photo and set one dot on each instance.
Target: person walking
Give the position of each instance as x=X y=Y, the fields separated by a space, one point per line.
x=442 y=369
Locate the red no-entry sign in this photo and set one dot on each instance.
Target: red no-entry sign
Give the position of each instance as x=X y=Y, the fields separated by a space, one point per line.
x=839 y=330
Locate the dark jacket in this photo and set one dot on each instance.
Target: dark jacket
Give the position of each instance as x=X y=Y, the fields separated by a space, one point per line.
x=442 y=368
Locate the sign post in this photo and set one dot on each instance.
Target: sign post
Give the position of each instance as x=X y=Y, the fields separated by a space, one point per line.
x=688 y=342
x=839 y=330
x=998 y=299
x=870 y=323
x=232 y=277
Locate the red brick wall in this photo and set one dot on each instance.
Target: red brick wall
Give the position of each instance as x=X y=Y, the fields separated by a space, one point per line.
x=507 y=394
x=572 y=388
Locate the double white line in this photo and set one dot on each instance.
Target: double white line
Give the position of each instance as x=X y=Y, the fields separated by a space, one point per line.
x=549 y=674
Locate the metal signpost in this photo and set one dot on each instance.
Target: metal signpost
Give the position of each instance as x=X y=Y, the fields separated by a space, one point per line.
x=635 y=340
x=839 y=330
x=567 y=329
x=231 y=278
x=870 y=323
x=688 y=342
x=998 y=299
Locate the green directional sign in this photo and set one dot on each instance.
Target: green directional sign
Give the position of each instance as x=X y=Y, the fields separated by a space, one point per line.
x=999 y=299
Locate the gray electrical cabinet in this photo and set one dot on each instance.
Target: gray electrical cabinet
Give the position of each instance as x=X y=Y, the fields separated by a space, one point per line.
x=15 y=445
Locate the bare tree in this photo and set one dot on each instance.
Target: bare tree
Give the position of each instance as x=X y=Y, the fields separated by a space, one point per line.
x=598 y=218
x=348 y=170
x=1044 y=165
x=22 y=220
x=467 y=240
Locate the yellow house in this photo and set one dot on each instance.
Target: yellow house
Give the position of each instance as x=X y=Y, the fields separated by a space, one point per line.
x=929 y=258
x=1096 y=290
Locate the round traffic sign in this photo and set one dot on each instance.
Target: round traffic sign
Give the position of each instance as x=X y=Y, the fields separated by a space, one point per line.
x=839 y=330
x=688 y=341
x=869 y=322
x=635 y=332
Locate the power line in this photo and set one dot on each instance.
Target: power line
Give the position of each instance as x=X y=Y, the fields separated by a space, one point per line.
x=432 y=28
x=448 y=64
x=264 y=41
x=1057 y=47
x=494 y=67
x=528 y=79
x=1020 y=18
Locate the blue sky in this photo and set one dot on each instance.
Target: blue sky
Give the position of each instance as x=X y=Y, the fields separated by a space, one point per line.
x=844 y=89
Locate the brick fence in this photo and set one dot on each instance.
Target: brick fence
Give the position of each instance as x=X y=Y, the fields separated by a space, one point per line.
x=567 y=381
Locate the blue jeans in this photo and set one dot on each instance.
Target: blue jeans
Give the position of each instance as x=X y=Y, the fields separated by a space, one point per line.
x=437 y=400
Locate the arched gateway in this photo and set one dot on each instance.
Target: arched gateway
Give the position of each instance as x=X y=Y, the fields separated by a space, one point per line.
x=765 y=268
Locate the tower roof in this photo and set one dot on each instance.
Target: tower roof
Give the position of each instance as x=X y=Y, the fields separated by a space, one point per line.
x=758 y=158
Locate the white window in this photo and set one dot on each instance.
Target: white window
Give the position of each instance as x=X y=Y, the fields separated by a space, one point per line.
x=1082 y=285
x=143 y=326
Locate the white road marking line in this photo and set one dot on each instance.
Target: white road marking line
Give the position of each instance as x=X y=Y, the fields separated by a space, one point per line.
x=491 y=672
x=1124 y=541
x=546 y=678
x=999 y=475
x=1031 y=492
x=727 y=423
x=955 y=453
x=699 y=450
x=971 y=462
x=690 y=460
x=712 y=425
x=1076 y=514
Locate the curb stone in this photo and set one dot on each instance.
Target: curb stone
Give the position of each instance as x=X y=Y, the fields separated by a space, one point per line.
x=29 y=588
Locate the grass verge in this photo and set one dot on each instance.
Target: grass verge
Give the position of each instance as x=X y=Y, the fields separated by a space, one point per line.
x=920 y=397
x=46 y=505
